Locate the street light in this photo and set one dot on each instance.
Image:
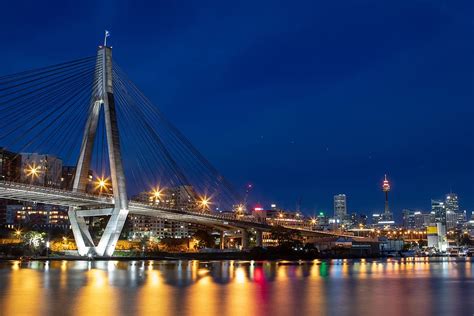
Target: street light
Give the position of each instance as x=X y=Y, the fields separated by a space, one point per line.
x=205 y=202
x=17 y=233
x=240 y=210
x=33 y=171
x=156 y=195
x=102 y=184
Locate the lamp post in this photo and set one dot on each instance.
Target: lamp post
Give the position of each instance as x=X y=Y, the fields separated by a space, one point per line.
x=205 y=203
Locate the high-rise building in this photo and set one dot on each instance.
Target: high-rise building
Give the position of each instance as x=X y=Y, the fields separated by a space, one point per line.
x=409 y=219
x=451 y=202
x=451 y=220
x=429 y=218
x=45 y=170
x=340 y=207
x=439 y=209
x=9 y=165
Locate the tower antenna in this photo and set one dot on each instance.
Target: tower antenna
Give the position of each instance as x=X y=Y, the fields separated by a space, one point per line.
x=107 y=34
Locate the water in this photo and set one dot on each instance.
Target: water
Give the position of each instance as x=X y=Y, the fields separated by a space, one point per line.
x=333 y=287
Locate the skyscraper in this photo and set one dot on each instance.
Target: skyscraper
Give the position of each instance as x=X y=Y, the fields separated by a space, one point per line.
x=451 y=202
x=439 y=210
x=340 y=207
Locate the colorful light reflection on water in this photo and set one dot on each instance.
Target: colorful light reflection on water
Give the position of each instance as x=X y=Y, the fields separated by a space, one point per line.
x=342 y=287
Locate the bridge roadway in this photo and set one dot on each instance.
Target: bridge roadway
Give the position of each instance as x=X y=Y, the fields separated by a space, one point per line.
x=102 y=205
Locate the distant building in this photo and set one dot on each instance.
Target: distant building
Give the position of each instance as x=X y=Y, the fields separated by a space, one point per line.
x=44 y=170
x=439 y=209
x=9 y=165
x=451 y=202
x=409 y=219
x=451 y=220
x=382 y=221
x=68 y=174
x=182 y=198
x=355 y=220
x=154 y=227
x=37 y=215
x=340 y=207
x=437 y=237
x=429 y=218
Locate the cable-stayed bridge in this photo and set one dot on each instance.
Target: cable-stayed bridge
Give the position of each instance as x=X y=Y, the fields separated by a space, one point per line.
x=90 y=114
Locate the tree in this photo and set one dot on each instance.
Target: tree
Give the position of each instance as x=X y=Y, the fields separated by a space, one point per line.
x=465 y=240
x=204 y=239
x=285 y=236
x=34 y=241
x=174 y=244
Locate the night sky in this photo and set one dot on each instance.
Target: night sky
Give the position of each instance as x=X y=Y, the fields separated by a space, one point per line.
x=303 y=99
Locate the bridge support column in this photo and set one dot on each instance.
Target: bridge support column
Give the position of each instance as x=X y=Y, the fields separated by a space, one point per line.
x=222 y=241
x=245 y=239
x=103 y=98
x=259 y=238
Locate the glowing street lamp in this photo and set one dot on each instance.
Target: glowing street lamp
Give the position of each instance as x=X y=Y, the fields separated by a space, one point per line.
x=205 y=202
x=17 y=233
x=33 y=171
x=155 y=195
x=240 y=209
x=102 y=184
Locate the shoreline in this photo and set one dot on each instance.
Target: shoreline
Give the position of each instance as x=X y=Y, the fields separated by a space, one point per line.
x=209 y=257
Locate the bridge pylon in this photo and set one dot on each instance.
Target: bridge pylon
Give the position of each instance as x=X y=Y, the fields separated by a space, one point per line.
x=103 y=98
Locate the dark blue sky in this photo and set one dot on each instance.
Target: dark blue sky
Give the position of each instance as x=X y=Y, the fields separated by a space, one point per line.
x=304 y=99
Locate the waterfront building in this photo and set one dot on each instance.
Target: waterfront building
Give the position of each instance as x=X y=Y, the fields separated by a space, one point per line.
x=153 y=227
x=437 y=236
x=36 y=215
x=182 y=197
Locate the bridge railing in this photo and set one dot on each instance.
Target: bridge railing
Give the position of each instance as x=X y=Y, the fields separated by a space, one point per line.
x=220 y=216
x=51 y=189
x=108 y=198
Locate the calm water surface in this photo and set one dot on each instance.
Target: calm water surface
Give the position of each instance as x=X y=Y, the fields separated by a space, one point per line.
x=335 y=287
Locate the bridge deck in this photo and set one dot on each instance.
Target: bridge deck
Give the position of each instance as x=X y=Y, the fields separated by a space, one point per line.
x=53 y=196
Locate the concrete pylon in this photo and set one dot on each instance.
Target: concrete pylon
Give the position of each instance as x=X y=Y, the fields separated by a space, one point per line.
x=245 y=239
x=222 y=241
x=259 y=238
x=103 y=98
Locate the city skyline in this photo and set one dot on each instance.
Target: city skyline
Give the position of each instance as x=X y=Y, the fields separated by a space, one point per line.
x=280 y=117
